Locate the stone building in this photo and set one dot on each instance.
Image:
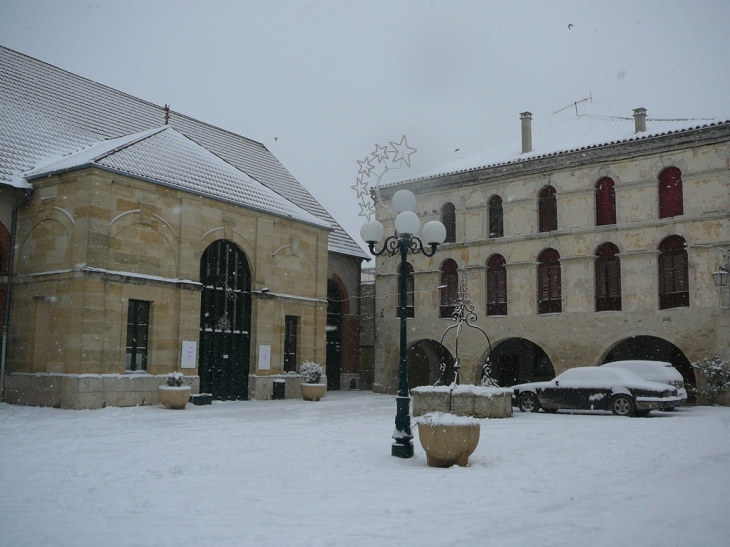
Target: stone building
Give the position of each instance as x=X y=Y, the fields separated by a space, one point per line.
x=594 y=240
x=136 y=241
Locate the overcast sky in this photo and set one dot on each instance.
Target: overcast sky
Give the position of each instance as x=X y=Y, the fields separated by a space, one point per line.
x=320 y=83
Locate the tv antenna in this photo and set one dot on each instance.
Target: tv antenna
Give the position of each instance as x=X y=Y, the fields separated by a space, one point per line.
x=588 y=99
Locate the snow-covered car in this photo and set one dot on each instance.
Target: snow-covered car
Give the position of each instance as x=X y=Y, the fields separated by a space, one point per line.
x=596 y=388
x=655 y=371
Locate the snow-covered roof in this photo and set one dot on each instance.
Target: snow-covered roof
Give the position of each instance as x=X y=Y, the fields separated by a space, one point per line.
x=46 y=112
x=579 y=133
x=166 y=156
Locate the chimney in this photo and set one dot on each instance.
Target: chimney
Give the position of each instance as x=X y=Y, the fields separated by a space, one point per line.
x=639 y=120
x=526 y=118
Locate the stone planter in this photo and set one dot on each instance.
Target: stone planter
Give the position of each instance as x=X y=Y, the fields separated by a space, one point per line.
x=447 y=439
x=313 y=392
x=466 y=400
x=174 y=398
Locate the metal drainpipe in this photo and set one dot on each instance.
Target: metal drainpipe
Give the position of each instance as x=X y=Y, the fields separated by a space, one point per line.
x=8 y=292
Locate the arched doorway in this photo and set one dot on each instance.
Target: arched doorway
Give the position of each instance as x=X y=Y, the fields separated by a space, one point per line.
x=424 y=364
x=334 y=334
x=651 y=348
x=517 y=361
x=225 y=321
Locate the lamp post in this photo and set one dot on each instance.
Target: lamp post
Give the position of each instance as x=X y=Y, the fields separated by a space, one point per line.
x=407 y=225
x=720 y=277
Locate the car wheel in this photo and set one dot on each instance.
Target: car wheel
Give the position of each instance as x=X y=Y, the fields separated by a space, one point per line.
x=623 y=405
x=528 y=402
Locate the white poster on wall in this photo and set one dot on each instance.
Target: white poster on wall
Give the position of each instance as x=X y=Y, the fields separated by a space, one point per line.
x=264 y=357
x=189 y=352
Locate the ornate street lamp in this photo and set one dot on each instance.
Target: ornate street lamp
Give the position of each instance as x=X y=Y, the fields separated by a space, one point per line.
x=407 y=225
x=720 y=277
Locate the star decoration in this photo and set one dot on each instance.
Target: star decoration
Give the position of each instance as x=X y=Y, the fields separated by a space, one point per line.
x=365 y=167
x=402 y=151
x=381 y=153
x=366 y=209
x=361 y=187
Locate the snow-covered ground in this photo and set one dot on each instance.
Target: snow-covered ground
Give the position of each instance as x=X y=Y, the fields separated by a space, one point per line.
x=280 y=473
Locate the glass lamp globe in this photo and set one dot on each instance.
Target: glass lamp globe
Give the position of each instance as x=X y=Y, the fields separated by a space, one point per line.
x=434 y=232
x=372 y=231
x=720 y=277
x=403 y=200
x=407 y=222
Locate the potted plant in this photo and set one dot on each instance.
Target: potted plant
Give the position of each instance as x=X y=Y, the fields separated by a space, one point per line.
x=174 y=395
x=311 y=373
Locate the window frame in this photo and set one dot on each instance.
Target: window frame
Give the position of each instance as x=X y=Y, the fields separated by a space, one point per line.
x=448 y=219
x=605 y=202
x=450 y=291
x=547 y=205
x=673 y=273
x=291 y=343
x=549 y=282
x=138 y=326
x=495 y=214
x=496 y=286
x=671 y=194
x=607 y=278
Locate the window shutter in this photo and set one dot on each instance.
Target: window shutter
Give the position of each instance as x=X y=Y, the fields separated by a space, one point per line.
x=671 y=202
x=496 y=222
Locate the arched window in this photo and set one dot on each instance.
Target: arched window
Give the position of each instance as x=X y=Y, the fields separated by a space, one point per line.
x=670 y=193
x=496 y=286
x=608 y=278
x=449 y=288
x=605 y=202
x=410 y=286
x=547 y=205
x=549 y=295
x=448 y=219
x=673 y=273
x=496 y=228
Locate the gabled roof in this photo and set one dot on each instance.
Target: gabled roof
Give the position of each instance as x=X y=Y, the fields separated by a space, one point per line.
x=46 y=112
x=579 y=133
x=168 y=157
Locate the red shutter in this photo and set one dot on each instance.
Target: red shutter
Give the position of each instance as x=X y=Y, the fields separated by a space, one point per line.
x=605 y=202
x=671 y=201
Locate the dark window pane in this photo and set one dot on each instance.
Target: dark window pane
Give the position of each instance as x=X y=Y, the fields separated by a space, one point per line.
x=547 y=210
x=138 y=317
x=496 y=286
x=496 y=228
x=549 y=291
x=673 y=273
x=291 y=328
x=450 y=287
x=448 y=219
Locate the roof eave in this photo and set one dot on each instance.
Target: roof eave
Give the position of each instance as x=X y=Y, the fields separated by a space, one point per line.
x=87 y=165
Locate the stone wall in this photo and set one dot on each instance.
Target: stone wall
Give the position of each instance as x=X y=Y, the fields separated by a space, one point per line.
x=89 y=241
x=578 y=336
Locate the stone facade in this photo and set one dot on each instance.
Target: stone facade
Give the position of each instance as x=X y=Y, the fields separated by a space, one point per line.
x=89 y=241
x=578 y=335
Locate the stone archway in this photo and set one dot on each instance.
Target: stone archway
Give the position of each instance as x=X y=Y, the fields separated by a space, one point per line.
x=652 y=348
x=517 y=361
x=225 y=321
x=424 y=364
